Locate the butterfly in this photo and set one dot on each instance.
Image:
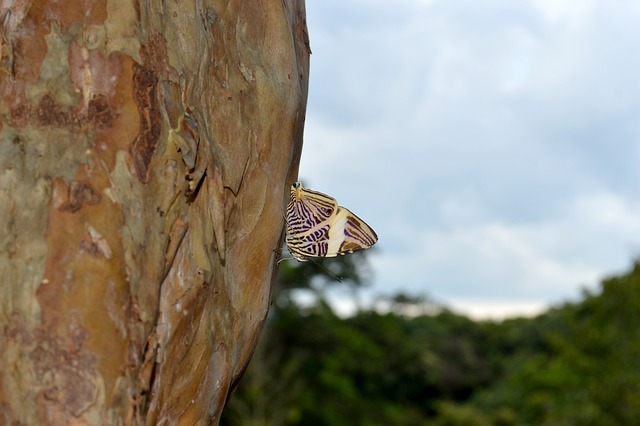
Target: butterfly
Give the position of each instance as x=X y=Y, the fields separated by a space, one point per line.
x=316 y=226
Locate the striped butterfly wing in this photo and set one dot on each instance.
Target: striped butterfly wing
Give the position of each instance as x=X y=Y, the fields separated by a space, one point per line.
x=318 y=227
x=349 y=233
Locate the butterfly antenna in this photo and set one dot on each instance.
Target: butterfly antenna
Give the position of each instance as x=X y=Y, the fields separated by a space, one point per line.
x=328 y=272
x=285 y=258
x=331 y=274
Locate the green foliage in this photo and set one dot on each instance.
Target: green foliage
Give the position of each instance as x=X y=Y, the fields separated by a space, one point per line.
x=576 y=364
x=588 y=372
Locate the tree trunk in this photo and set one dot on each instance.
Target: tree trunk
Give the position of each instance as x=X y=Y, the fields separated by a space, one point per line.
x=146 y=151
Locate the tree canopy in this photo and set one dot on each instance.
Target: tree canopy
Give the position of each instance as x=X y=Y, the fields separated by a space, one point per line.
x=578 y=363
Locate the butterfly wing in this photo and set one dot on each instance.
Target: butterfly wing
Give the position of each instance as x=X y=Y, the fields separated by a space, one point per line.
x=349 y=233
x=309 y=216
x=318 y=227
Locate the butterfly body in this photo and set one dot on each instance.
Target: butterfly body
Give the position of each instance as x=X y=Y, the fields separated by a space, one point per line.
x=318 y=227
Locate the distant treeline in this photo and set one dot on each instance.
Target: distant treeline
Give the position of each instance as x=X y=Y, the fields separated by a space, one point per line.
x=577 y=364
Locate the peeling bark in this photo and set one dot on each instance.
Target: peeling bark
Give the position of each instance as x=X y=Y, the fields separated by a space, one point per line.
x=146 y=150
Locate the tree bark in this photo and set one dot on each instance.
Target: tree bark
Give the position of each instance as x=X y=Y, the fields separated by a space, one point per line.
x=146 y=151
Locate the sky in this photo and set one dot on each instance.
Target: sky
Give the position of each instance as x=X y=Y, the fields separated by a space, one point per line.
x=493 y=145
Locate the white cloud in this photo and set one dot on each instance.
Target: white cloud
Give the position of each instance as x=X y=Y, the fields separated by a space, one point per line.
x=485 y=261
x=493 y=145
x=497 y=309
x=548 y=260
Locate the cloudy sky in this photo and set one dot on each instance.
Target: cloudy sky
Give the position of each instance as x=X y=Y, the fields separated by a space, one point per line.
x=493 y=145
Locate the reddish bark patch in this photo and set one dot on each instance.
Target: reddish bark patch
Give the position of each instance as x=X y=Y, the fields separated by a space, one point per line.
x=145 y=82
x=100 y=112
x=20 y=114
x=155 y=53
x=146 y=142
x=80 y=193
x=90 y=248
x=16 y=104
x=51 y=113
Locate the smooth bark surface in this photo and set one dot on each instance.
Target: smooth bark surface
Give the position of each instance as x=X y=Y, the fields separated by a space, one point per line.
x=146 y=151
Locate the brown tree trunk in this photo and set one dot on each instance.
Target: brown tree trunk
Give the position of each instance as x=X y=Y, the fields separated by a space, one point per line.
x=146 y=150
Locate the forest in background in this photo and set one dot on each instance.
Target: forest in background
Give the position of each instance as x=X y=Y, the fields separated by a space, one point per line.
x=575 y=364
